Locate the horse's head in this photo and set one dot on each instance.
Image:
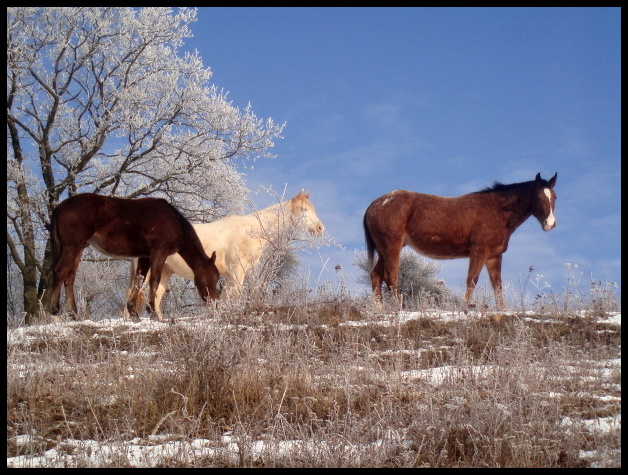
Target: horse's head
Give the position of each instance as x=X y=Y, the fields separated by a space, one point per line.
x=544 y=201
x=206 y=279
x=303 y=210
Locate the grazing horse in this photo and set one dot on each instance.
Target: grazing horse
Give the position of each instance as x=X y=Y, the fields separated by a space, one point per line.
x=238 y=241
x=149 y=228
x=477 y=225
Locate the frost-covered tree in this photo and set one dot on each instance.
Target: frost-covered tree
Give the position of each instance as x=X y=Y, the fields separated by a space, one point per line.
x=100 y=99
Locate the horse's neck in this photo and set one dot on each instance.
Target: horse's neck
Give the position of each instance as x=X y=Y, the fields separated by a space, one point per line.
x=520 y=207
x=275 y=218
x=193 y=252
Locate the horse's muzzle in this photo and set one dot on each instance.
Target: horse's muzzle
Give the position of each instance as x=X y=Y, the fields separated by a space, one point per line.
x=317 y=230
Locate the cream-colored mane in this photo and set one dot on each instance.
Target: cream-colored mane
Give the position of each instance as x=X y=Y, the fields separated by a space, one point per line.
x=239 y=241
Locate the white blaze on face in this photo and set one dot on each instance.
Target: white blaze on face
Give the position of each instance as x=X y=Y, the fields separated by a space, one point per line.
x=550 y=221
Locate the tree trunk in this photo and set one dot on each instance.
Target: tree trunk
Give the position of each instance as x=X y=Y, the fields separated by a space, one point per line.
x=45 y=280
x=31 y=303
x=29 y=273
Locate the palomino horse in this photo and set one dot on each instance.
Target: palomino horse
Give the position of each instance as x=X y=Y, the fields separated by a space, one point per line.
x=238 y=241
x=149 y=228
x=477 y=226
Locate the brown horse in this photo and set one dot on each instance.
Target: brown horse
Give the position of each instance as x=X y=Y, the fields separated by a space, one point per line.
x=477 y=226
x=149 y=228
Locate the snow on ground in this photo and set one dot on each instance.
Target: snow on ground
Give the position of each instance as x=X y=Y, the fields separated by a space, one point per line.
x=159 y=449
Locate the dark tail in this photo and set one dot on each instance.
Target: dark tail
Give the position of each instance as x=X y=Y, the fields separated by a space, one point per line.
x=370 y=245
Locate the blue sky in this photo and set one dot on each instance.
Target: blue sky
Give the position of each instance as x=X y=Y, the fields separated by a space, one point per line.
x=434 y=100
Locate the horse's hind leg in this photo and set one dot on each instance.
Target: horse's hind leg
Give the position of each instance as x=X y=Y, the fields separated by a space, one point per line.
x=64 y=273
x=377 y=277
x=391 y=274
x=386 y=270
x=475 y=267
x=494 y=268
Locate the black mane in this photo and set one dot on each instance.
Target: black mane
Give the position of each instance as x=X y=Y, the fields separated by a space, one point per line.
x=497 y=186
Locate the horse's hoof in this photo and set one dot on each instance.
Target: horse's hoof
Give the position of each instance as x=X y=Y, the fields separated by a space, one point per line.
x=156 y=317
x=134 y=316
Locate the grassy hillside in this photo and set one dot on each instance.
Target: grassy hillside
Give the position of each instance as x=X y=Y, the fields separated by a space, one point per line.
x=320 y=383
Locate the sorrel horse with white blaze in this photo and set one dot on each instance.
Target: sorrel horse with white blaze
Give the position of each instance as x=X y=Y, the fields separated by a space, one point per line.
x=238 y=241
x=149 y=228
x=477 y=225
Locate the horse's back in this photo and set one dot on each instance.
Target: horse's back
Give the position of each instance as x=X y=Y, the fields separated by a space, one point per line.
x=422 y=209
x=436 y=226
x=142 y=212
x=121 y=227
x=394 y=209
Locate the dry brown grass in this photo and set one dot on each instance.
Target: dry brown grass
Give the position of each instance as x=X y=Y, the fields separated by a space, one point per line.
x=359 y=384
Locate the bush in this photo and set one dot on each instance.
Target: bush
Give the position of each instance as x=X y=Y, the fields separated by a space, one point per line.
x=418 y=281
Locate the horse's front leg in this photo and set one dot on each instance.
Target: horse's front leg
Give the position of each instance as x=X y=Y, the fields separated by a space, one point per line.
x=161 y=291
x=138 y=274
x=494 y=268
x=156 y=267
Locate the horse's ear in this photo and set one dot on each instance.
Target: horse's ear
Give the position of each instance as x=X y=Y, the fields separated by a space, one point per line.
x=213 y=257
x=538 y=178
x=552 y=181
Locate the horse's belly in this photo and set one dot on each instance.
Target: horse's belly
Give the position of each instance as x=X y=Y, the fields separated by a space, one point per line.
x=119 y=248
x=437 y=246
